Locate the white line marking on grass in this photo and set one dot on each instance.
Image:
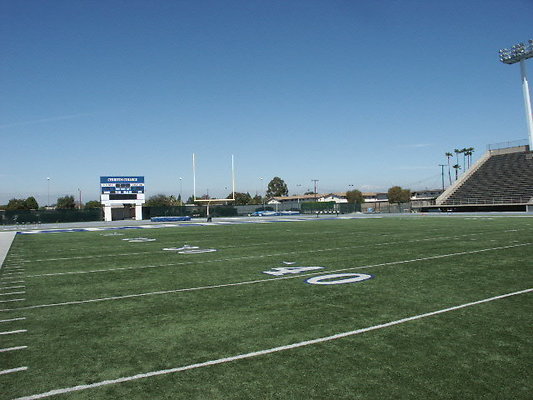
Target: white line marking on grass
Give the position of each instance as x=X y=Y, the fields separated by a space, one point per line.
x=307 y=251
x=11 y=301
x=13 y=349
x=9 y=371
x=12 y=287
x=93 y=256
x=254 y=245
x=12 y=282
x=14 y=332
x=13 y=319
x=130 y=296
x=266 y=351
x=11 y=293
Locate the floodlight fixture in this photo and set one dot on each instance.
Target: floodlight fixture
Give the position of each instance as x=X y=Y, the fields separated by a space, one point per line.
x=520 y=53
x=517 y=53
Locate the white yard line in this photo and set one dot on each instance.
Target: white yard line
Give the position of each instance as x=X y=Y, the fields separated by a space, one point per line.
x=130 y=296
x=13 y=319
x=11 y=300
x=13 y=349
x=14 y=332
x=12 y=287
x=10 y=371
x=11 y=293
x=266 y=351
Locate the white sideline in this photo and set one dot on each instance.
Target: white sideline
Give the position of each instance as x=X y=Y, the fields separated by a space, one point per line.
x=266 y=351
x=129 y=296
x=6 y=238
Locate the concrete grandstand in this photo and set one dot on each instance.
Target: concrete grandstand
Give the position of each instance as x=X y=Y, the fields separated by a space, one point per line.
x=502 y=180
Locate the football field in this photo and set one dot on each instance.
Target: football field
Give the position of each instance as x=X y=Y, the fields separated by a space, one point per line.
x=405 y=308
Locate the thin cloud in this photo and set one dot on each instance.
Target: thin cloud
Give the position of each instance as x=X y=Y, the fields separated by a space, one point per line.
x=413 y=168
x=415 y=145
x=43 y=120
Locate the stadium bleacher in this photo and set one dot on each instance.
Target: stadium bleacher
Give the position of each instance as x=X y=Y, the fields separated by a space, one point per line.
x=502 y=178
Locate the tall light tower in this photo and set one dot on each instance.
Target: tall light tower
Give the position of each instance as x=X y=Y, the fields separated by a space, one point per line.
x=48 y=198
x=520 y=53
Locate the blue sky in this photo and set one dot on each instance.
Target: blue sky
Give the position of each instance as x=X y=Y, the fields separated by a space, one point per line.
x=363 y=93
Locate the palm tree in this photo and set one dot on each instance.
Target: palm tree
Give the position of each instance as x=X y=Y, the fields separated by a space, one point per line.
x=457 y=151
x=463 y=152
x=448 y=155
x=457 y=167
x=469 y=152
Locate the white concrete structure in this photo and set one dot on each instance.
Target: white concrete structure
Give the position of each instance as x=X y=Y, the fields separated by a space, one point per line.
x=122 y=192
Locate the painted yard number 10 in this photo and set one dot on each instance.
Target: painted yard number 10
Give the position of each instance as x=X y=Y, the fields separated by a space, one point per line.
x=330 y=279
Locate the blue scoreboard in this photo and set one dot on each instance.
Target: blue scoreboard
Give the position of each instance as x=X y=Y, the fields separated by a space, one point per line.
x=122 y=187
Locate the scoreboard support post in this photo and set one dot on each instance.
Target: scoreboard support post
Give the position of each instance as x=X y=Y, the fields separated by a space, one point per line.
x=107 y=213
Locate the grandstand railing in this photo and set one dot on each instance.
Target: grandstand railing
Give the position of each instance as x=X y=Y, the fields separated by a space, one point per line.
x=494 y=200
x=506 y=145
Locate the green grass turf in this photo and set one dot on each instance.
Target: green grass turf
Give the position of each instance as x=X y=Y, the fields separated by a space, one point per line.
x=482 y=351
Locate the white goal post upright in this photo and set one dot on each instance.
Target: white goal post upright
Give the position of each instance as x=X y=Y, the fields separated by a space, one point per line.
x=214 y=200
x=193 y=177
x=232 y=177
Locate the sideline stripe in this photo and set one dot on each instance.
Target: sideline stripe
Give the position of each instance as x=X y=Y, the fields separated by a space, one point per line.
x=13 y=348
x=266 y=351
x=9 y=371
x=130 y=296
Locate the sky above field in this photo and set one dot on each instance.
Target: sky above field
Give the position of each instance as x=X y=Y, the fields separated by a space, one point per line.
x=354 y=94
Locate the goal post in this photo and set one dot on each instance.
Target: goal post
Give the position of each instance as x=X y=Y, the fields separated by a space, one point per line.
x=209 y=201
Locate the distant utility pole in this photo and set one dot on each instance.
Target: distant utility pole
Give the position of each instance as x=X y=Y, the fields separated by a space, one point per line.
x=315 y=182
x=520 y=53
x=442 y=174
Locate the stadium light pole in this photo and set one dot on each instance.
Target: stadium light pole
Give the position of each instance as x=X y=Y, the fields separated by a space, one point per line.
x=262 y=193
x=520 y=53
x=48 y=198
x=315 y=181
x=181 y=179
x=442 y=174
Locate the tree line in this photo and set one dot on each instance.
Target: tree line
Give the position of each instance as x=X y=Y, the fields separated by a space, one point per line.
x=62 y=203
x=276 y=188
